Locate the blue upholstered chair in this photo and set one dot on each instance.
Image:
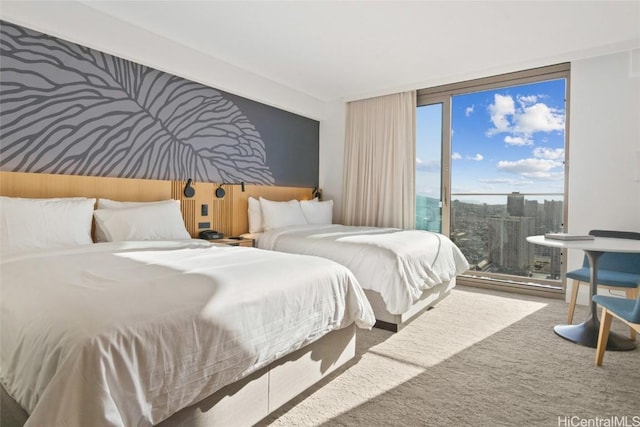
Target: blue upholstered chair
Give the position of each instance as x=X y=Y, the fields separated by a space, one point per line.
x=627 y=310
x=619 y=271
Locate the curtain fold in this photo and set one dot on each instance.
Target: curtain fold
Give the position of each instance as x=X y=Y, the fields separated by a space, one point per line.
x=379 y=166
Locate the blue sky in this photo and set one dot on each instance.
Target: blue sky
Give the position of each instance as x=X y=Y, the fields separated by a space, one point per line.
x=504 y=140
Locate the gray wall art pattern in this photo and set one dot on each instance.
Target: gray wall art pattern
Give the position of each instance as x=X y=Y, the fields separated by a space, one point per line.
x=68 y=109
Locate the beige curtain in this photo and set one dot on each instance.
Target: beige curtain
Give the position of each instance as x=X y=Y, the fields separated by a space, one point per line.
x=379 y=166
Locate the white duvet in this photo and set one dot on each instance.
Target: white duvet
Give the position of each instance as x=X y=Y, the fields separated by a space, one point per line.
x=126 y=334
x=398 y=264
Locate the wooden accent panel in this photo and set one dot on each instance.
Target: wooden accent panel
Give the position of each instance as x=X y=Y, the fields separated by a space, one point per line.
x=188 y=208
x=40 y=185
x=240 y=203
x=219 y=211
x=223 y=211
x=191 y=206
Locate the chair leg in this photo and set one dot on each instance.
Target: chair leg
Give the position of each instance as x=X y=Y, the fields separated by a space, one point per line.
x=575 y=287
x=603 y=335
x=632 y=294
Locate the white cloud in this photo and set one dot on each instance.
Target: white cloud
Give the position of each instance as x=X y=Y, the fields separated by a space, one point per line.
x=502 y=107
x=523 y=121
x=455 y=156
x=549 y=153
x=478 y=157
x=527 y=165
x=428 y=166
x=545 y=176
x=469 y=110
x=517 y=140
x=539 y=118
x=534 y=168
x=527 y=100
x=507 y=181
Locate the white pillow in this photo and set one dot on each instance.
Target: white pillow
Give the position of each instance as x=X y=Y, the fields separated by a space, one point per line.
x=255 y=216
x=281 y=214
x=153 y=221
x=115 y=204
x=316 y=212
x=27 y=224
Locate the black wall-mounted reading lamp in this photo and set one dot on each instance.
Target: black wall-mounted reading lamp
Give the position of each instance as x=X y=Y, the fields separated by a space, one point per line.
x=220 y=191
x=189 y=191
x=316 y=193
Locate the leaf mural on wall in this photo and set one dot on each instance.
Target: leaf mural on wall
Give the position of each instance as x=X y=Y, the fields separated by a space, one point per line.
x=68 y=109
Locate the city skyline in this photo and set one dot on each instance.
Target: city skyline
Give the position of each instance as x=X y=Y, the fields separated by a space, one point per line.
x=493 y=238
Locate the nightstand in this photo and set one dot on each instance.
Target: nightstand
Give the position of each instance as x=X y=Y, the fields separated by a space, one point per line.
x=236 y=242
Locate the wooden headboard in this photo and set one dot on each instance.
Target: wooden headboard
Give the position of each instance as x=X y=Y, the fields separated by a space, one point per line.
x=227 y=215
x=40 y=185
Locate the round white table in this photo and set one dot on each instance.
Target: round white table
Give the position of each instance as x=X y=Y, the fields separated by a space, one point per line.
x=586 y=333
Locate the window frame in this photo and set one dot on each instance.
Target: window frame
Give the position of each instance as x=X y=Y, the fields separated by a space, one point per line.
x=443 y=94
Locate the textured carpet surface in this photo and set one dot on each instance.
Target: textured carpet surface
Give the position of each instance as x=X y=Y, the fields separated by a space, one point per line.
x=479 y=358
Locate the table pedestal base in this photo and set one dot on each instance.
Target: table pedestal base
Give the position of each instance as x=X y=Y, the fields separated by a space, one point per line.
x=586 y=334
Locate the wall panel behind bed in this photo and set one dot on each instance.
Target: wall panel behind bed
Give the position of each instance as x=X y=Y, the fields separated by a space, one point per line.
x=69 y=109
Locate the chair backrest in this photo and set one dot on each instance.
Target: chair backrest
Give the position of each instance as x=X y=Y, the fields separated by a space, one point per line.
x=623 y=262
x=635 y=314
x=616 y=234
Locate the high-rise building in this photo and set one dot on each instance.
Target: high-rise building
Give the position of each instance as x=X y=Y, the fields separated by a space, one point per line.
x=508 y=246
x=515 y=204
x=531 y=208
x=553 y=215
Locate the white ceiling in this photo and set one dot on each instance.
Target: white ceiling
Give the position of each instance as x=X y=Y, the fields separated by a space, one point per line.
x=354 y=49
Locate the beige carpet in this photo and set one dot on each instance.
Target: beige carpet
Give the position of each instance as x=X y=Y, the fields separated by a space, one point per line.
x=479 y=358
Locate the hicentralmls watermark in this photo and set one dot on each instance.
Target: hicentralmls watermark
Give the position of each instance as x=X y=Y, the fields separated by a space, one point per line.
x=613 y=421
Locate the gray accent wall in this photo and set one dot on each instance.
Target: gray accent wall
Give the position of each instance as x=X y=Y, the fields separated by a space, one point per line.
x=68 y=109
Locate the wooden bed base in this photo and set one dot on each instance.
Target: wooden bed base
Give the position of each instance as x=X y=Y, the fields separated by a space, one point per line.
x=252 y=398
x=395 y=322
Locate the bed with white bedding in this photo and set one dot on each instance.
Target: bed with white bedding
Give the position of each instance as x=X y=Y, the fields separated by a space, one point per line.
x=402 y=271
x=128 y=333
x=152 y=327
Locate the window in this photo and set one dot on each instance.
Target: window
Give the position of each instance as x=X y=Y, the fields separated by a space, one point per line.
x=490 y=171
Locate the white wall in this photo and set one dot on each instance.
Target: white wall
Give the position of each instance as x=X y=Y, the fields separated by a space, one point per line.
x=604 y=139
x=81 y=24
x=332 y=133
